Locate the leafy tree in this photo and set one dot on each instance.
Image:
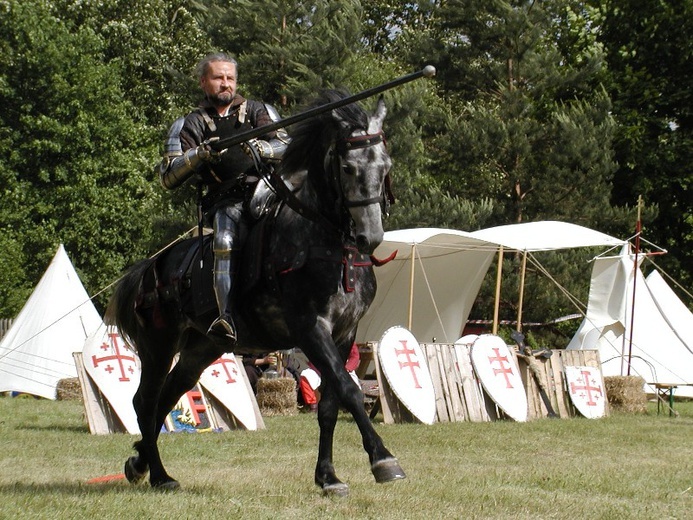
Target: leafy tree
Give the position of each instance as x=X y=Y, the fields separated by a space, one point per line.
x=155 y=44
x=528 y=125
x=650 y=70
x=73 y=155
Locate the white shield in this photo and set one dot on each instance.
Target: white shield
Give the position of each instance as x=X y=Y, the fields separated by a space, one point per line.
x=496 y=369
x=115 y=370
x=586 y=390
x=404 y=366
x=225 y=380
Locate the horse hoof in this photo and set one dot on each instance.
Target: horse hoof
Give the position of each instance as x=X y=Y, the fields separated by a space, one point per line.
x=169 y=485
x=340 y=489
x=131 y=473
x=387 y=470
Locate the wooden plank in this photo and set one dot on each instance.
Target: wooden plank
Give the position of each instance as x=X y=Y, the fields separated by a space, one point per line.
x=473 y=394
x=531 y=389
x=565 y=406
x=446 y=377
x=457 y=406
x=434 y=369
x=382 y=391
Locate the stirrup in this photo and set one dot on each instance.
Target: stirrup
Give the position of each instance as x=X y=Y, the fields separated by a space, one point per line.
x=223 y=326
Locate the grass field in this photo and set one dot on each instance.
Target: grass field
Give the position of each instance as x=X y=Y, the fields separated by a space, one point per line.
x=620 y=467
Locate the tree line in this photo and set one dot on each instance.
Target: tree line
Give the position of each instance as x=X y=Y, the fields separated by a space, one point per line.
x=540 y=110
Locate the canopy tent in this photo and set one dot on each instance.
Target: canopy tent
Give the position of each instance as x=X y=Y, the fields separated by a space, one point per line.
x=538 y=236
x=657 y=343
x=55 y=322
x=430 y=286
x=432 y=283
x=547 y=235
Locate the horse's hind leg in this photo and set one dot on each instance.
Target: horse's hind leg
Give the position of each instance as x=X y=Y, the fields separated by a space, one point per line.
x=146 y=404
x=196 y=355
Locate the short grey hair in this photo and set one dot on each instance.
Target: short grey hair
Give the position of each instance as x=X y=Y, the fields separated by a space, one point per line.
x=203 y=65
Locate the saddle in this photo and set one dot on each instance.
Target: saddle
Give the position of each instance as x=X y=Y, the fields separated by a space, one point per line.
x=191 y=285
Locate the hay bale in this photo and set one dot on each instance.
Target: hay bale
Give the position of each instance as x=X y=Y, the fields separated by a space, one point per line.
x=277 y=396
x=69 y=389
x=626 y=393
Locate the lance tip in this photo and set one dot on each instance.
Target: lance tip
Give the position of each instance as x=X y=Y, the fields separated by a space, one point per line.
x=429 y=71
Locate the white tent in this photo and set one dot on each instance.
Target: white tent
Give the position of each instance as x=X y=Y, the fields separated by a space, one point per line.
x=55 y=322
x=661 y=350
x=432 y=283
x=547 y=235
x=430 y=286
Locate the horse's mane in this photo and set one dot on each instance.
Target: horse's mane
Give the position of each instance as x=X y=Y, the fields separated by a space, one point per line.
x=308 y=136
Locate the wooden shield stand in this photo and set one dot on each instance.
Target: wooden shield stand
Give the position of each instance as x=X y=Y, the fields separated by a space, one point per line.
x=102 y=418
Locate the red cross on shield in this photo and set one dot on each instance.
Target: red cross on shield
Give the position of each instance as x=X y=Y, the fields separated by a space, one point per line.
x=496 y=369
x=586 y=390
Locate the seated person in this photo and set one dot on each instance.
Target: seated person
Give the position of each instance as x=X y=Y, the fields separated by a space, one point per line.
x=255 y=365
x=310 y=381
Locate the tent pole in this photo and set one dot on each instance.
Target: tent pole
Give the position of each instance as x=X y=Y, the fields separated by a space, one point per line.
x=411 y=288
x=498 y=287
x=638 y=229
x=522 y=292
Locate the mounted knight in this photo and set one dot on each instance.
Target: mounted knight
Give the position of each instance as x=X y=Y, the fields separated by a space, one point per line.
x=229 y=176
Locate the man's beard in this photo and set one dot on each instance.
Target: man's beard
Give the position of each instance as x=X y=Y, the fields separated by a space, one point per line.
x=221 y=99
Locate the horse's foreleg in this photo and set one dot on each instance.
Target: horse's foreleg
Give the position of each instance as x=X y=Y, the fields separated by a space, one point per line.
x=325 y=476
x=384 y=465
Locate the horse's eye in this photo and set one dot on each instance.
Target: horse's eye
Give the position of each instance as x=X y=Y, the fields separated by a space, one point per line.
x=349 y=169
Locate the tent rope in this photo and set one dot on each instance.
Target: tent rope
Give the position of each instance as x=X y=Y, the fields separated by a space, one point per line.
x=669 y=277
x=9 y=351
x=430 y=293
x=580 y=306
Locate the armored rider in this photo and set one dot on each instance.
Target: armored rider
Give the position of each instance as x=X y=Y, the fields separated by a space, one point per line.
x=228 y=176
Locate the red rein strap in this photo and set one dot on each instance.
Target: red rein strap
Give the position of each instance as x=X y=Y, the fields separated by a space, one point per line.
x=378 y=263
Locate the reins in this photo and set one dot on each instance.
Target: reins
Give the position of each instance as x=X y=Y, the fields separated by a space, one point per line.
x=341 y=147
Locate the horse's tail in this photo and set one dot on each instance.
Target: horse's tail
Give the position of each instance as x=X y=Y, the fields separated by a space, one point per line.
x=121 y=310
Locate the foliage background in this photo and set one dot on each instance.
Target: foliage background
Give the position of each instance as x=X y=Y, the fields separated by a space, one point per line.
x=555 y=109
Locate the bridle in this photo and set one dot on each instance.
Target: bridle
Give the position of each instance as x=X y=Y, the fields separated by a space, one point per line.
x=334 y=165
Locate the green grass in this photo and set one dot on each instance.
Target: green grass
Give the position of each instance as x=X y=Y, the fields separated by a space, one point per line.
x=621 y=467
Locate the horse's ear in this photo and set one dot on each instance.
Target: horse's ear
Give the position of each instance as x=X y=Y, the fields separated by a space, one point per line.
x=380 y=113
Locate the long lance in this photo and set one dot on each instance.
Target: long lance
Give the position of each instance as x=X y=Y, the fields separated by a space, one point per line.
x=427 y=72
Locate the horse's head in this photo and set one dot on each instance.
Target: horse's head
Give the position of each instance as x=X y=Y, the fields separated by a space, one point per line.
x=360 y=166
x=340 y=160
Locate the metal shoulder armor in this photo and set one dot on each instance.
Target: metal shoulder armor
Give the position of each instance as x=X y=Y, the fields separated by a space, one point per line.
x=278 y=144
x=176 y=167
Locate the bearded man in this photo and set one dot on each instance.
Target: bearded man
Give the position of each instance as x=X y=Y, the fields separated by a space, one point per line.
x=228 y=176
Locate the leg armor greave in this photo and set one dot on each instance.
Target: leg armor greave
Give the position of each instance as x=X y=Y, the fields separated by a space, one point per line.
x=227 y=236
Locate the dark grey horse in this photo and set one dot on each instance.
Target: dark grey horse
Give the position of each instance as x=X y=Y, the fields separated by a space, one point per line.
x=310 y=290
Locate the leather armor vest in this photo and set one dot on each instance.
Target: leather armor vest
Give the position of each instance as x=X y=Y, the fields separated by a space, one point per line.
x=234 y=163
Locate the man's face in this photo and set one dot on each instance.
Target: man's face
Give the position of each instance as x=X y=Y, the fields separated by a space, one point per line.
x=219 y=83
